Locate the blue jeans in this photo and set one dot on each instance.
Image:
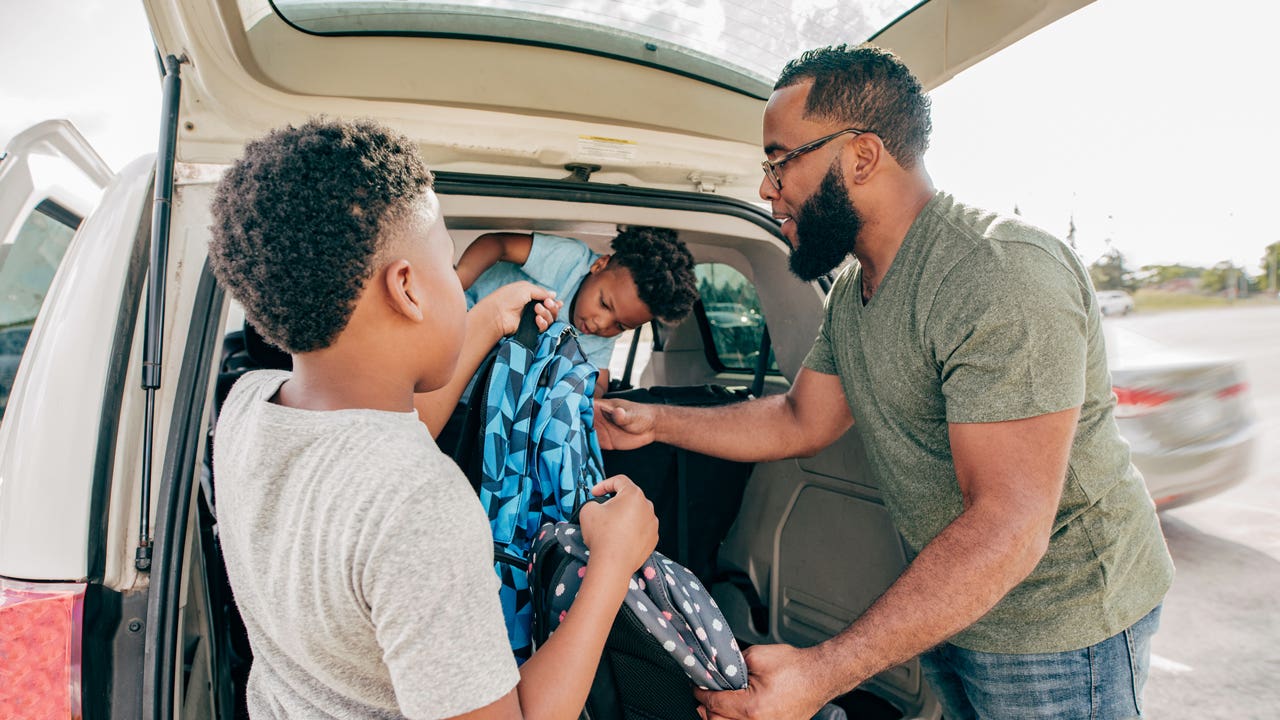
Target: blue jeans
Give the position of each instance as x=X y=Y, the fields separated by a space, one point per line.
x=1100 y=682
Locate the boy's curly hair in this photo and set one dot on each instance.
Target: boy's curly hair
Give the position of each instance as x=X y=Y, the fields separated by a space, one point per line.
x=662 y=267
x=299 y=221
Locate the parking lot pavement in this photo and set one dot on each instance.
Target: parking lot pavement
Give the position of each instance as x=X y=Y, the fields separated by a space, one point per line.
x=1217 y=654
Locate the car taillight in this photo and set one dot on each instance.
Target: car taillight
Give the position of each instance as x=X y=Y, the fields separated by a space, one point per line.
x=1234 y=390
x=1136 y=401
x=40 y=645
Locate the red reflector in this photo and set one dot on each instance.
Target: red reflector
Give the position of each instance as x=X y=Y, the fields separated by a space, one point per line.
x=1234 y=390
x=1141 y=397
x=40 y=626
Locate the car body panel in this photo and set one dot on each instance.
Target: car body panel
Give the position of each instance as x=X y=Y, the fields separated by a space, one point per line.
x=942 y=38
x=518 y=109
x=1181 y=476
x=48 y=161
x=1188 y=417
x=50 y=435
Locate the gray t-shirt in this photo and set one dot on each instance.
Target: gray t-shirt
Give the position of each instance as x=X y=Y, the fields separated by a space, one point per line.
x=985 y=319
x=361 y=562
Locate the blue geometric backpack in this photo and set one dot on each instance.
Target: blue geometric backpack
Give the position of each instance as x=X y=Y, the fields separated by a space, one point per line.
x=528 y=445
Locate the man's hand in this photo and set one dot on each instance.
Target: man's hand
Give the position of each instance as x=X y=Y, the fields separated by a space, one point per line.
x=624 y=425
x=783 y=683
x=505 y=305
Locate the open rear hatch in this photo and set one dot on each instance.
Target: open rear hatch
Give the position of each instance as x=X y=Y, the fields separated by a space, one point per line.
x=666 y=95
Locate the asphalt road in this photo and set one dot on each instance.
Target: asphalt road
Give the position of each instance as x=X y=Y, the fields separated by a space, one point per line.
x=1217 y=654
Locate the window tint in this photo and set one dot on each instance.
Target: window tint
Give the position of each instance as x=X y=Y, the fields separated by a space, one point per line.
x=734 y=317
x=27 y=267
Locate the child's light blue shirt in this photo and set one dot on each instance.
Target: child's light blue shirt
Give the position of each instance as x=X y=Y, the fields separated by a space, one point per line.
x=555 y=263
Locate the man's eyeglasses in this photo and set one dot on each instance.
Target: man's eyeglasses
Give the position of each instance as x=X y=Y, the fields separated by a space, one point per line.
x=771 y=166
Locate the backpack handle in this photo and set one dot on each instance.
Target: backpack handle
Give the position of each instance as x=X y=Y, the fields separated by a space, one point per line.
x=577 y=512
x=527 y=333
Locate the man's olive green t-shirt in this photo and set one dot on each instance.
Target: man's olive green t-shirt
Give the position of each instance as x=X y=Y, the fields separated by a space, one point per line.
x=984 y=319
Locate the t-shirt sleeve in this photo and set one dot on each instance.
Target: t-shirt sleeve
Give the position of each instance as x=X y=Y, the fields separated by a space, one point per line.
x=821 y=357
x=599 y=350
x=1009 y=344
x=555 y=261
x=433 y=601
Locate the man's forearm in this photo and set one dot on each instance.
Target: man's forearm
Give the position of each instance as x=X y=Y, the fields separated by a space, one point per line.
x=957 y=578
x=754 y=431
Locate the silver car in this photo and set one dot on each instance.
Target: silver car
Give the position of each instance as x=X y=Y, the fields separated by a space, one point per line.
x=1188 y=418
x=1115 y=302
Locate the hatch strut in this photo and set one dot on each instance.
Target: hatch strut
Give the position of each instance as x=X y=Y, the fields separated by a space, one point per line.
x=153 y=324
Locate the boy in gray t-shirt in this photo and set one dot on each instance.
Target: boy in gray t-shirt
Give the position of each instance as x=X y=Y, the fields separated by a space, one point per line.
x=359 y=556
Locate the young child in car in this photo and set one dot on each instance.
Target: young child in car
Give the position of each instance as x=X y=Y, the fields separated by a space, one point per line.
x=649 y=274
x=359 y=555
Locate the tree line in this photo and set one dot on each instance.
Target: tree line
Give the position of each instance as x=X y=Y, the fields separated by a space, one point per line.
x=1110 y=272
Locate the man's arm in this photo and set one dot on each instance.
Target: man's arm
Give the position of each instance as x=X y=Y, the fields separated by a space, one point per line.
x=809 y=417
x=489 y=249
x=1011 y=476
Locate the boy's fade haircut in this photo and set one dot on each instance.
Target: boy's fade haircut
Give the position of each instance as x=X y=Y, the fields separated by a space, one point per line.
x=299 y=223
x=662 y=267
x=868 y=88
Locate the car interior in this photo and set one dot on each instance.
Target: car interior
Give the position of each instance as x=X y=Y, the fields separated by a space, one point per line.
x=811 y=545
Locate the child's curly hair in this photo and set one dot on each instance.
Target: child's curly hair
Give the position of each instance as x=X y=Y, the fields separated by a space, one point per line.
x=662 y=267
x=298 y=224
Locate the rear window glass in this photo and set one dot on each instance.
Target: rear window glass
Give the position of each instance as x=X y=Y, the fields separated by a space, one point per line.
x=735 y=43
x=27 y=267
x=734 y=317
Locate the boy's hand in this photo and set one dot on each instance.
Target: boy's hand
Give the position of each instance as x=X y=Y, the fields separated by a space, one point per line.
x=623 y=531
x=624 y=425
x=505 y=305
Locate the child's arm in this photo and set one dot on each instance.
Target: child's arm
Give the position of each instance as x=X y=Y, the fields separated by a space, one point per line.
x=489 y=249
x=602 y=383
x=621 y=534
x=492 y=318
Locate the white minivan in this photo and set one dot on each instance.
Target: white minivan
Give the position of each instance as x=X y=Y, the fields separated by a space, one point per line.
x=116 y=343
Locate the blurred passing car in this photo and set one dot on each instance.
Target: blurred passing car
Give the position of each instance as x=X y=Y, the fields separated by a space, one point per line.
x=1115 y=302
x=1188 y=417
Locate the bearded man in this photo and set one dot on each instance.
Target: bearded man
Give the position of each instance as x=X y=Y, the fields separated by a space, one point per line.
x=968 y=348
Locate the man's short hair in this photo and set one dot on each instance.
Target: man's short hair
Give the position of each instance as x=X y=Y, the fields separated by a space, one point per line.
x=662 y=268
x=299 y=223
x=866 y=87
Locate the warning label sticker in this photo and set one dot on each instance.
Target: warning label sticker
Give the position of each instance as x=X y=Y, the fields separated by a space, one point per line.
x=603 y=148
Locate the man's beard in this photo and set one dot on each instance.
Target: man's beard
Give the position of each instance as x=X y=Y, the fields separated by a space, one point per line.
x=827 y=226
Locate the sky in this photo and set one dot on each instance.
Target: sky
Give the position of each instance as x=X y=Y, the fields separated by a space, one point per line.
x=1152 y=123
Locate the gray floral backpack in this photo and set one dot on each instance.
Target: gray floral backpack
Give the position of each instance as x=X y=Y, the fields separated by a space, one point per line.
x=668 y=636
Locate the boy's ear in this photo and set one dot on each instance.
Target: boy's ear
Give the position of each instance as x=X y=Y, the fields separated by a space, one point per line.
x=401 y=293
x=601 y=263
